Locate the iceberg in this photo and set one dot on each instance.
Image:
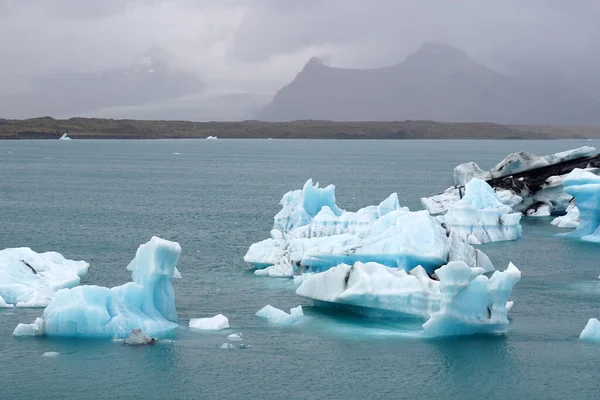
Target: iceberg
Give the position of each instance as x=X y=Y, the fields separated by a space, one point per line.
x=537 y=193
x=480 y=216
x=584 y=186
x=235 y=337
x=280 y=317
x=212 y=138
x=569 y=220
x=463 y=300
x=215 y=323
x=30 y=279
x=312 y=234
x=591 y=332
x=64 y=137
x=147 y=303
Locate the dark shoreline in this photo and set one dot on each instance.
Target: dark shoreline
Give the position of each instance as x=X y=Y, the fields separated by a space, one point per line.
x=96 y=128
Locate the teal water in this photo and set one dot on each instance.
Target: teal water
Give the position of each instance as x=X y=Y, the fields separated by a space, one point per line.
x=99 y=200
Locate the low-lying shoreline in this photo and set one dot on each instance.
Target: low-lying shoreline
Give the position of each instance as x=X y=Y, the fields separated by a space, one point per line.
x=97 y=128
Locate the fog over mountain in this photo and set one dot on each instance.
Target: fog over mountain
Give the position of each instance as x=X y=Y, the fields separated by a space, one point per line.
x=520 y=61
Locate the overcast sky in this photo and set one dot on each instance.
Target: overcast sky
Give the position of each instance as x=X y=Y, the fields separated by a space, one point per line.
x=258 y=45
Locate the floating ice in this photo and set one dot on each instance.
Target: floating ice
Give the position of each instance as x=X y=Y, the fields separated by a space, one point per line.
x=215 y=323
x=30 y=279
x=147 y=303
x=584 y=186
x=212 y=138
x=569 y=220
x=591 y=332
x=226 y=346
x=280 y=317
x=463 y=301
x=541 y=199
x=64 y=137
x=51 y=354
x=312 y=234
x=137 y=337
x=480 y=217
x=235 y=337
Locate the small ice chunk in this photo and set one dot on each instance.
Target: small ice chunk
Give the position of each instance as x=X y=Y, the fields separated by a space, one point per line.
x=215 y=323
x=50 y=354
x=280 y=317
x=591 y=331
x=235 y=337
x=242 y=346
x=34 y=329
x=570 y=220
x=226 y=346
x=211 y=138
x=137 y=337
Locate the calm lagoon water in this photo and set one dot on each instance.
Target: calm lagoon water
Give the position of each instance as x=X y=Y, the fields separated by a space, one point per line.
x=99 y=200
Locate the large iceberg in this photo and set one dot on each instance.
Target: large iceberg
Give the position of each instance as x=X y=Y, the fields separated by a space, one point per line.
x=584 y=186
x=30 y=279
x=147 y=303
x=530 y=195
x=312 y=234
x=463 y=301
x=480 y=216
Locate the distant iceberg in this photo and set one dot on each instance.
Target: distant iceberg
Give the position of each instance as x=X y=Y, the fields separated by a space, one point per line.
x=463 y=301
x=212 y=138
x=30 y=279
x=591 y=332
x=147 y=303
x=584 y=186
x=480 y=216
x=534 y=198
x=64 y=137
x=312 y=234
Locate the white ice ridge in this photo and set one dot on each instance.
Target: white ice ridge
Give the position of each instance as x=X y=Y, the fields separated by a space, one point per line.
x=215 y=323
x=569 y=220
x=549 y=199
x=591 y=332
x=64 y=137
x=480 y=216
x=147 y=303
x=30 y=279
x=311 y=234
x=463 y=301
x=584 y=186
x=280 y=317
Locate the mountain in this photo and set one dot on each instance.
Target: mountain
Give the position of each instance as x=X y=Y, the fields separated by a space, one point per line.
x=438 y=82
x=148 y=79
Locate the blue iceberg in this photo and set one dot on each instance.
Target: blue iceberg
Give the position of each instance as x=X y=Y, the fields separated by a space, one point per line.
x=463 y=300
x=591 y=332
x=480 y=216
x=147 y=303
x=584 y=186
x=312 y=234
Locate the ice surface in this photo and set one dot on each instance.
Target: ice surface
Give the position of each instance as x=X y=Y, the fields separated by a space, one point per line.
x=480 y=217
x=570 y=220
x=584 y=186
x=64 y=137
x=30 y=279
x=215 y=323
x=463 y=301
x=549 y=199
x=516 y=162
x=591 y=332
x=280 y=317
x=312 y=234
x=147 y=303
